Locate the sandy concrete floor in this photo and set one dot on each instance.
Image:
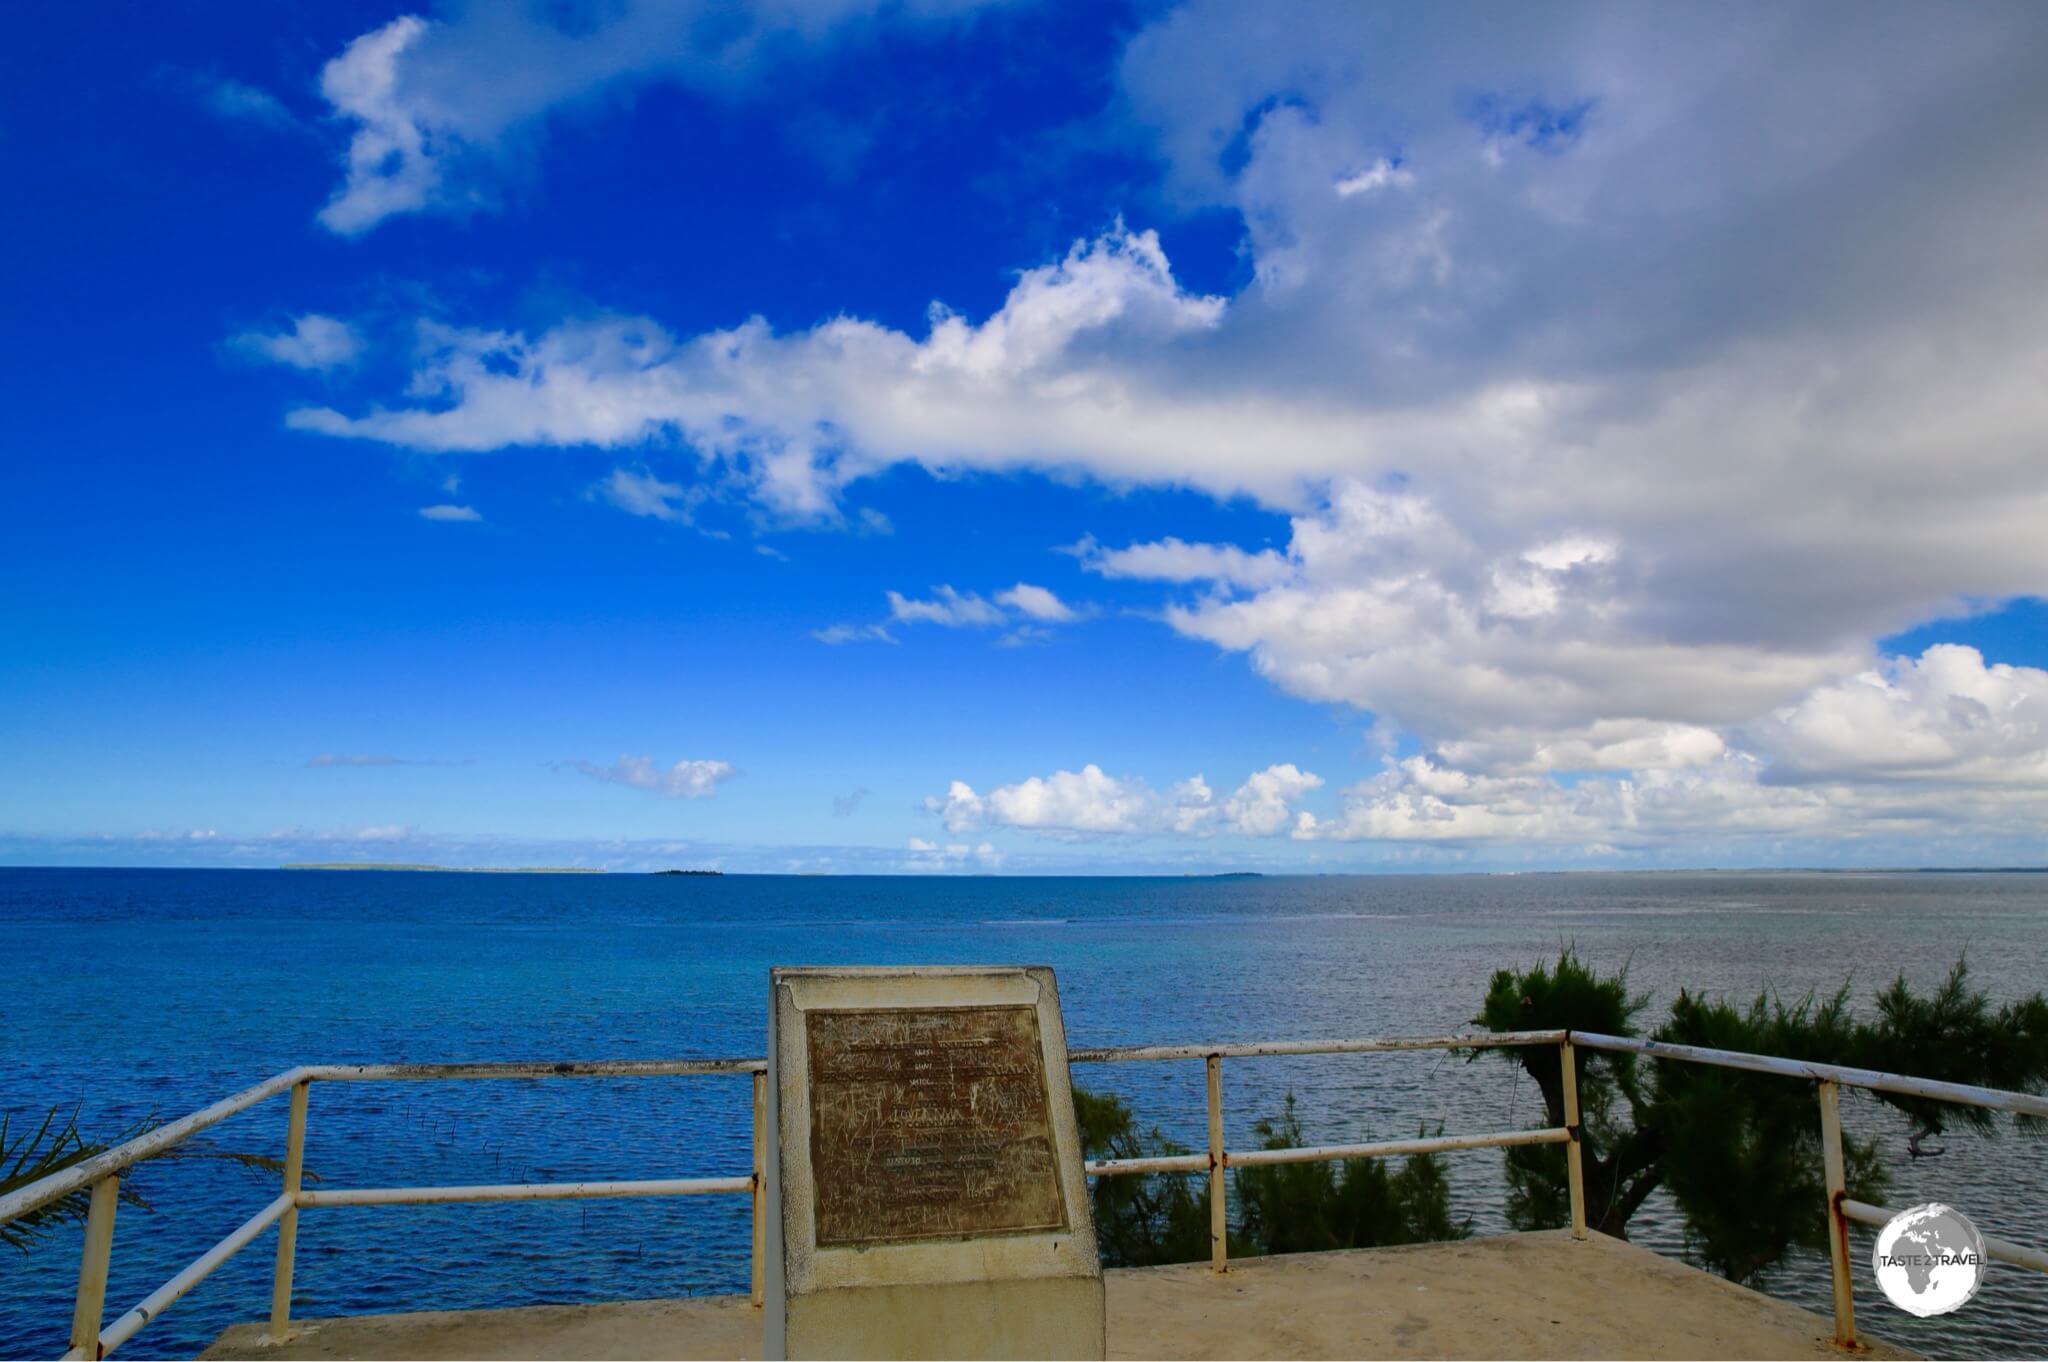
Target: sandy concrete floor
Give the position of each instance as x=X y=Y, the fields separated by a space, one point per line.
x=1518 y=1295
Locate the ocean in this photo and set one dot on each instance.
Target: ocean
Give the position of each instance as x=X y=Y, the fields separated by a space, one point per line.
x=132 y=992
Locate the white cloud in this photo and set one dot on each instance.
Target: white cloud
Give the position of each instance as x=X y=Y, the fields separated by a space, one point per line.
x=643 y=494
x=696 y=779
x=947 y=607
x=837 y=634
x=927 y=855
x=1381 y=174
x=433 y=103
x=1037 y=602
x=1174 y=560
x=1615 y=425
x=1260 y=807
x=1090 y=802
x=314 y=342
x=1943 y=715
x=791 y=419
x=1502 y=650
x=450 y=512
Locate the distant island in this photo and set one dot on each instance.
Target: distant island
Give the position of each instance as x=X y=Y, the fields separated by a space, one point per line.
x=454 y=869
x=687 y=872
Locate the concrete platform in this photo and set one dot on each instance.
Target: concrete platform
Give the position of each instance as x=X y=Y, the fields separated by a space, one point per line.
x=1517 y=1295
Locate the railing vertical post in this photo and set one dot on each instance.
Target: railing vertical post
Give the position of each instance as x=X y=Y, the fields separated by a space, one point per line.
x=288 y=1225
x=92 y=1267
x=760 y=1277
x=1219 y=1207
x=1838 y=1223
x=1574 y=1165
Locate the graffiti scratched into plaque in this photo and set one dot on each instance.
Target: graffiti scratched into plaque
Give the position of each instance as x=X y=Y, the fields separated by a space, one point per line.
x=930 y=1124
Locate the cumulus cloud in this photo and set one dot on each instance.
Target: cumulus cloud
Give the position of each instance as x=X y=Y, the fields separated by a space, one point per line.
x=791 y=419
x=1037 y=602
x=314 y=342
x=1613 y=425
x=947 y=607
x=1942 y=715
x=433 y=103
x=1090 y=802
x=697 y=779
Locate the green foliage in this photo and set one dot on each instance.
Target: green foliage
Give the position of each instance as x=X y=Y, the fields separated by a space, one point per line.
x=1954 y=1035
x=1356 y=1203
x=1281 y=1208
x=56 y=1144
x=30 y=1156
x=1570 y=995
x=1140 y=1221
x=1740 y=1152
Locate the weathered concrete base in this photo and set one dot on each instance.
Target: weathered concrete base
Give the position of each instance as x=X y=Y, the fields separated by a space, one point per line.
x=1517 y=1295
x=1052 y=1317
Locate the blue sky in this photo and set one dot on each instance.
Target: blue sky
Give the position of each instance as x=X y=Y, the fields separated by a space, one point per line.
x=1028 y=436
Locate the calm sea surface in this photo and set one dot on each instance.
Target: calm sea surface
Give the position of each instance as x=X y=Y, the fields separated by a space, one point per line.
x=140 y=991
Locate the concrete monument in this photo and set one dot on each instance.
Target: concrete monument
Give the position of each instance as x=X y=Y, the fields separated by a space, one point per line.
x=925 y=1189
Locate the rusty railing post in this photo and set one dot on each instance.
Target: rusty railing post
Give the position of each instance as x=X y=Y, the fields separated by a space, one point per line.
x=1574 y=1167
x=91 y=1304
x=288 y=1225
x=1838 y=1222
x=760 y=1268
x=1219 y=1206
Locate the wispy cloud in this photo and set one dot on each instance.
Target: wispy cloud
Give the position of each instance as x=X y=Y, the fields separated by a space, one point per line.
x=431 y=101
x=837 y=634
x=689 y=779
x=1027 y=610
x=644 y=494
x=451 y=513
x=947 y=607
x=314 y=341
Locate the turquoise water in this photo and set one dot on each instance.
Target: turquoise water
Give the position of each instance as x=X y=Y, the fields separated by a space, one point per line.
x=138 y=991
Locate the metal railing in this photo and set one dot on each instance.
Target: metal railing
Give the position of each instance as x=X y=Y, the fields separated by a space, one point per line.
x=102 y=1173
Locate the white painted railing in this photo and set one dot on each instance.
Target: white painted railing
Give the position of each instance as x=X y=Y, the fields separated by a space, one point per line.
x=102 y=1173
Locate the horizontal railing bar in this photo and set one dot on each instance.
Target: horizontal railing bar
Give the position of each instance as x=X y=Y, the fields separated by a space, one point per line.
x=1254 y=1158
x=1167 y=1163
x=1964 y=1093
x=2002 y=1249
x=521 y=1191
x=589 y=1068
x=202 y=1267
x=1490 y=1040
x=43 y=1191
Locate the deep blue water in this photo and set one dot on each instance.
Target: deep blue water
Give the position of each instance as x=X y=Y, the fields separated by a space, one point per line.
x=139 y=991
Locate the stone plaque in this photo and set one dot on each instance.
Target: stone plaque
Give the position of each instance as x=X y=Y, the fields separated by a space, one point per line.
x=923 y=1190
x=930 y=1124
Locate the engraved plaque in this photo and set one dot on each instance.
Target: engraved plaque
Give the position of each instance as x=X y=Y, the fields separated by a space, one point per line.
x=930 y=1124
